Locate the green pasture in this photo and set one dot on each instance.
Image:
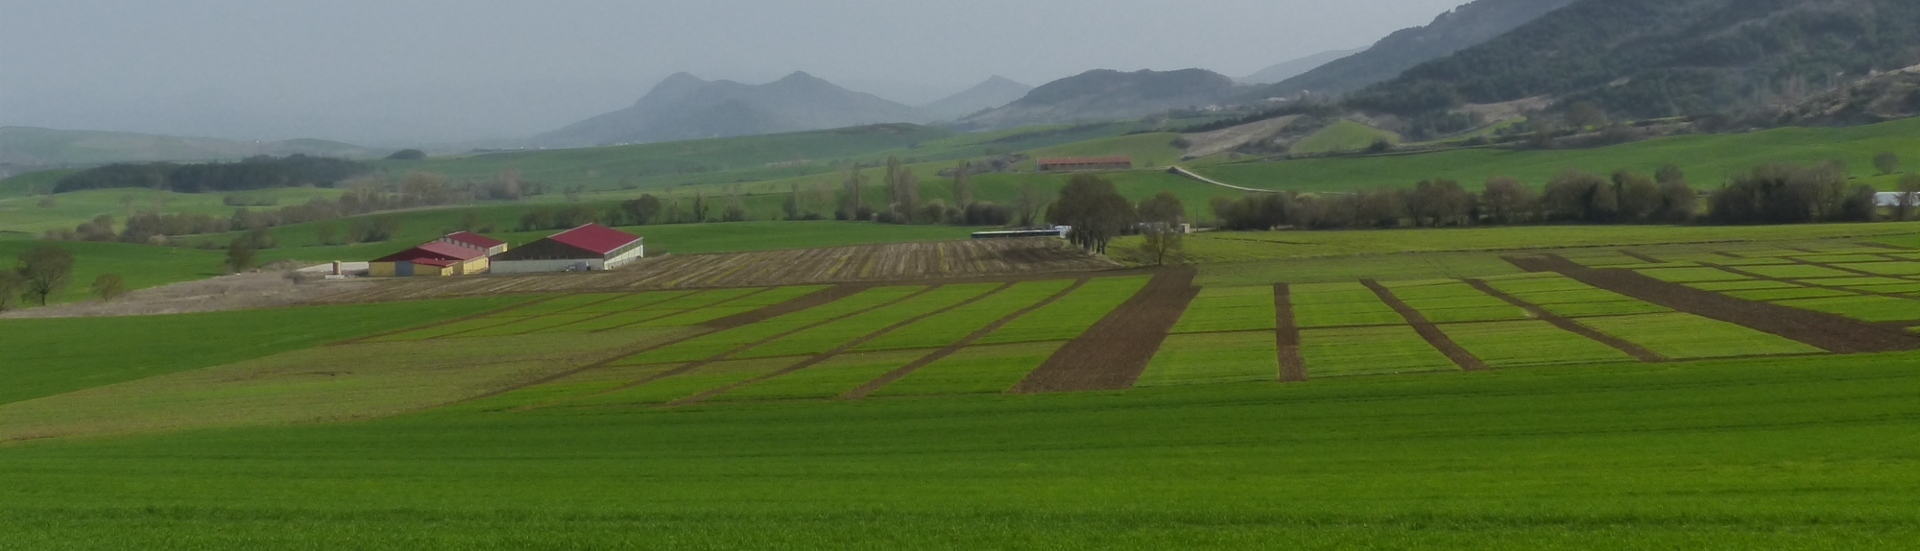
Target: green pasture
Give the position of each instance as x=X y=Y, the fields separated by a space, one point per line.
x=950 y=327
x=1530 y=343
x=1342 y=136
x=25 y=213
x=1707 y=159
x=142 y=266
x=1210 y=358
x=973 y=370
x=1070 y=316
x=1384 y=350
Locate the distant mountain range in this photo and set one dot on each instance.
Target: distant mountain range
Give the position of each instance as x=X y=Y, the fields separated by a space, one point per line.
x=993 y=93
x=1108 y=95
x=1464 y=27
x=1293 y=68
x=29 y=148
x=685 y=107
x=1650 y=58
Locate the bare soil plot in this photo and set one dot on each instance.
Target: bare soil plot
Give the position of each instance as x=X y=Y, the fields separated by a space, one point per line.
x=1228 y=309
x=1427 y=330
x=1207 y=358
x=1829 y=332
x=1008 y=258
x=973 y=370
x=1293 y=368
x=1370 y=351
x=1112 y=354
x=1688 y=337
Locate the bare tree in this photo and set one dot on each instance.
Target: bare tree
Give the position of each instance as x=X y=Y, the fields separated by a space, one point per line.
x=45 y=270
x=1887 y=162
x=1161 y=218
x=109 y=287
x=963 y=185
x=1029 y=203
x=1508 y=201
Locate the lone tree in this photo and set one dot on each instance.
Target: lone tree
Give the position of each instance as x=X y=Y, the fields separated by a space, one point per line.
x=1096 y=212
x=1161 y=217
x=1887 y=162
x=44 y=271
x=240 y=255
x=109 y=286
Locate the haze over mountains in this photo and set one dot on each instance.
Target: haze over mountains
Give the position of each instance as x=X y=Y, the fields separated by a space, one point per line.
x=1464 y=27
x=1293 y=68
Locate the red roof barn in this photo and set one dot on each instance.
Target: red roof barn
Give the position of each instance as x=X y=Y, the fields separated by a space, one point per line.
x=1086 y=163
x=471 y=240
x=592 y=247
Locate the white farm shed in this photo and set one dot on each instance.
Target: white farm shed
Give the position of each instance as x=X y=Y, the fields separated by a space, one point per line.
x=588 y=248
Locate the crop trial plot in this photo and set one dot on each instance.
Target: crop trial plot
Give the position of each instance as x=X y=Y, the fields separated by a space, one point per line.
x=974 y=370
x=1450 y=302
x=1072 y=315
x=1888 y=268
x=527 y=325
x=1799 y=271
x=1863 y=308
x=631 y=302
x=1840 y=258
x=833 y=377
x=1341 y=305
x=1856 y=281
x=1530 y=343
x=1911 y=287
x=708 y=346
x=562 y=304
x=585 y=383
x=729 y=307
x=1692 y=275
x=1369 y=351
x=949 y=327
x=1224 y=309
x=1686 y=336
x=1766 y=295
x=819 y=340
x=1206 y=358
x=454 y=328
x=1601 y=258
x=686 y=385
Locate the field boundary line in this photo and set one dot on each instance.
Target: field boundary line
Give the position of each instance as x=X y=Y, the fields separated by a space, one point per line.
x=1293 y=365
x=1799 y=283
x=1113 y=352
x=1829 y=332
x=609 y=299
x=1427 y=330
x=495 y=312
x=822 y=357
x=1640 y=257
x=1837 y=267
x=937 y=355
x=1638 y=352
x=684 y=310
x=1873 y=245
x=684 y=369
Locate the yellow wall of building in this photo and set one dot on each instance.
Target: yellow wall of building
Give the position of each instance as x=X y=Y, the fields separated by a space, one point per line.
x=382 y=269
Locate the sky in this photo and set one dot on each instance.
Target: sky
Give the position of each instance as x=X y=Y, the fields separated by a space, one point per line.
x=406 y=72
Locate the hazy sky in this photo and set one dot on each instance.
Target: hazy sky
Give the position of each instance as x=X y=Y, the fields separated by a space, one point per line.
x=390 y=72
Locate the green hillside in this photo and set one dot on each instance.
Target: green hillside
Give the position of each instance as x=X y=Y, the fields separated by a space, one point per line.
x=1708 y=159
x=1341 y=136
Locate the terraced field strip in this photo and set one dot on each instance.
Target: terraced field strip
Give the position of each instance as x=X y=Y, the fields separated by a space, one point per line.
x=1454 y=302
x=593 y=320
x=442 y=328
x=527 y=325
x=1229 y=309
x=1426 y=329
x=1535 y=343
x=946 y=298
x=1690 y=337
x=589 y=381
x=1321 y=305
x=685 y=301
x=1293 y=368
x=1350 y=351
x=1207 y=358
x=567 y=302
x=1070 y=316
x=666 y=387
x=1564 y=324
x=1692 y=275
x=1894 y=269
x=1798 y=271
x=1863 y=308
x=1113 y=353
x=873 y=324
x=744 y=304
x=831 y=377
x=991 y=369
x=939 y=357
x=1561 y=296
x=634 y=301
x=724 y=344
x=959 y=323
x=1824 y=331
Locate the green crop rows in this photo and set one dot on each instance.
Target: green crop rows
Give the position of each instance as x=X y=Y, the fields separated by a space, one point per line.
x=1369 y=351
x=1341 y=305
x=950 y=327
x=1530 y=343
x=818 y=340
x=1863 y=308
x=1450 y=302
x=1219 y=309
x=1072 y=315
x=974 y=370
x=1207 y=358
x=708 y=346
x=1686 y=336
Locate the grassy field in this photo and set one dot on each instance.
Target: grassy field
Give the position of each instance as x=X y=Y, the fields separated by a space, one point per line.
x=1707 y=159
x=1342 y=136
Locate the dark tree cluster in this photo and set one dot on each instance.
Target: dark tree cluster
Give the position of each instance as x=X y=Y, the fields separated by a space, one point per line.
x=1573 y=196
x=364 y=196
x=904 y=205
x=1790 y=194
x=251 y=174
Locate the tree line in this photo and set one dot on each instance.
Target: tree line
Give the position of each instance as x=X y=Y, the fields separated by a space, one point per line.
x=43 y=272
x=253 y=173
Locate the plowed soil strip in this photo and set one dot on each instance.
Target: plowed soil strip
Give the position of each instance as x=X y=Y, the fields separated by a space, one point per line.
x=718 y=357
x=824 y=356
x=1113 y=353
x=1828 y=332
x=1432 y=333
x=358 y=340
x=941 y=354
x=1293 y=366
x=1637 y=351
x=1642 y=257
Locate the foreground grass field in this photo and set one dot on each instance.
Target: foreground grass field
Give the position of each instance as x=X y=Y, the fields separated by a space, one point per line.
x=1795 y=454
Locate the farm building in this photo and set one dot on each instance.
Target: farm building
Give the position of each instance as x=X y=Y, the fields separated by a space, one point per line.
x=1056 y=231
x=592 y=247
x=471 y=240
x=432 y=259
x=1085 y=163
x=1892 y=199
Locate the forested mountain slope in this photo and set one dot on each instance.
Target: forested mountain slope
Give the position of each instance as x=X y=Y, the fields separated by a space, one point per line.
x=1649 y=58
x=1465 y=26
x=684 y=107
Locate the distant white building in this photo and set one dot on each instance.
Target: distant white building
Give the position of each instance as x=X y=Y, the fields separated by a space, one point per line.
x=1891 y=199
